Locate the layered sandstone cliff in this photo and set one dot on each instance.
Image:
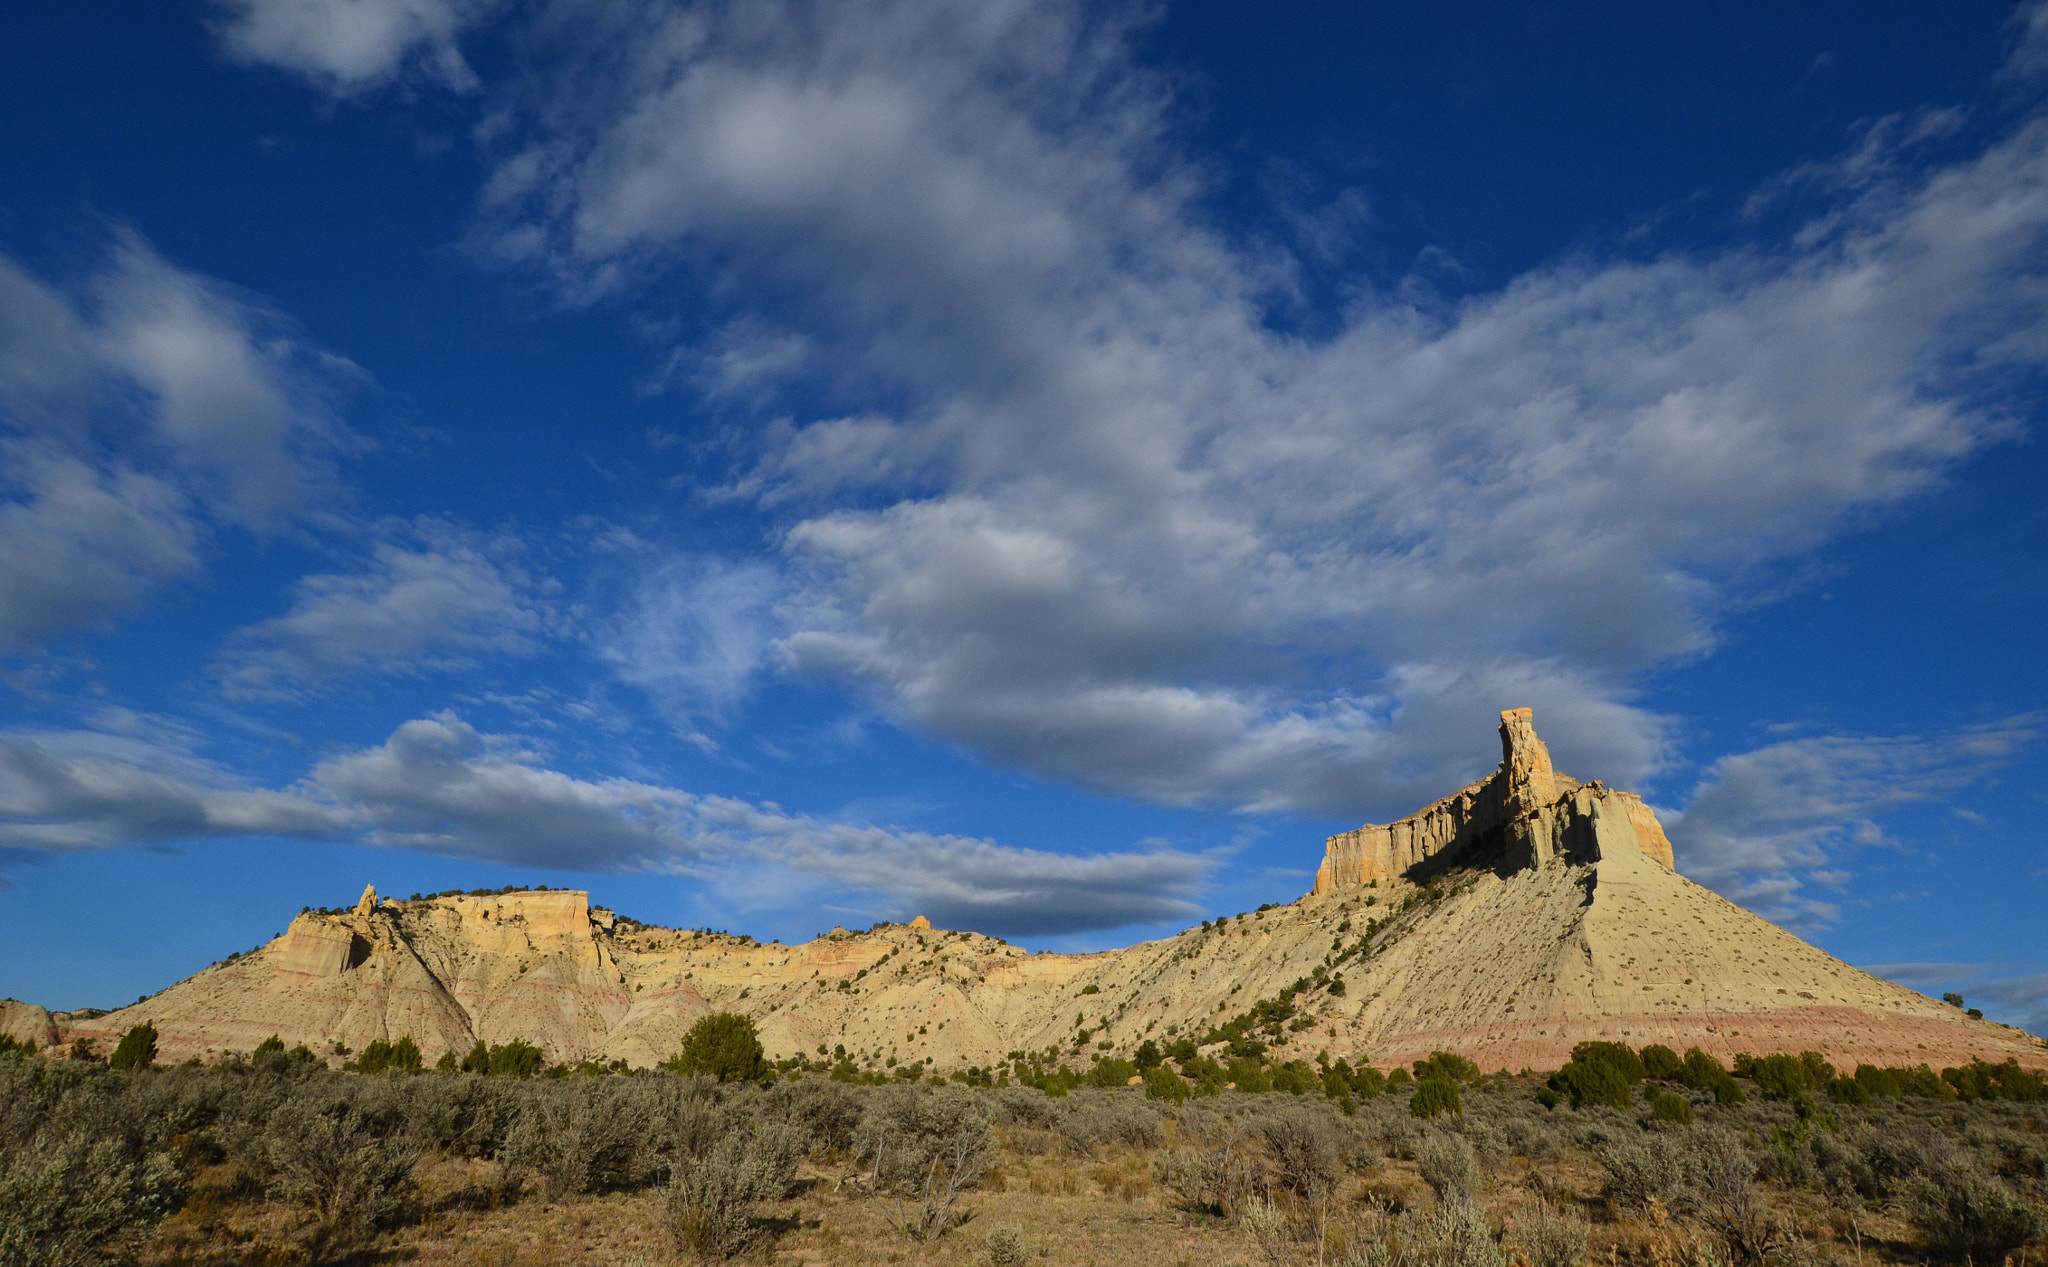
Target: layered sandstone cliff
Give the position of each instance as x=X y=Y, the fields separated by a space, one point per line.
x=1524 y=815
x=1510 y=921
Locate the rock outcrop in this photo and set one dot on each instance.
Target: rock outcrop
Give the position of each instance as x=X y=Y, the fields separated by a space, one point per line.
x=1524 y=914
x=1524 y=815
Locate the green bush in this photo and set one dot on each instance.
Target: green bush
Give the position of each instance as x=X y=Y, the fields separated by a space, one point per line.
x=1597 y=1082
x=1662 y=1063
x=725 y=1046
x=1446 y=1064
x=1848 y=1091
x=402 y=1056
x=1674 y=1109
x=1616 y=1056
x=1296 y=1077
x=137 y=1049
x=1111 y=1073
x=1434 y=1096
x=1980 y=1081
x=1249 y=1075
x=1162 y=1083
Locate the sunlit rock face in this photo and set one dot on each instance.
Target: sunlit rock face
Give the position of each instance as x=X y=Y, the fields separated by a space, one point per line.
x=1523 y=815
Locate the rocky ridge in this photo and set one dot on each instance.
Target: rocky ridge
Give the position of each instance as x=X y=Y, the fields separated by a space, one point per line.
x=1509 y=921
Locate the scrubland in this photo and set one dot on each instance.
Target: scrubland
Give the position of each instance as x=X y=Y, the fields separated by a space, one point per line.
x=277 y=1159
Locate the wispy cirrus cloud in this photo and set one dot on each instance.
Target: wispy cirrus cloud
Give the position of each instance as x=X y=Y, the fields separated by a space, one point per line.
x=143 y=408
x=350 y=46
x=438 y=785
x=1761 y=825
x=430 y=596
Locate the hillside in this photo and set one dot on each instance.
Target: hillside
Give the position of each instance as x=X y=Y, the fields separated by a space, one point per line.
x=1508 y=922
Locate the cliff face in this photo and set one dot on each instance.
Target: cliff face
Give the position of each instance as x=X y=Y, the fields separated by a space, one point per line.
x=1524 y=914
x=1523 y=816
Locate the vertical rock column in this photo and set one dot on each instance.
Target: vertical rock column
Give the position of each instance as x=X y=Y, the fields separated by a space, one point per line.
x=1531 y=788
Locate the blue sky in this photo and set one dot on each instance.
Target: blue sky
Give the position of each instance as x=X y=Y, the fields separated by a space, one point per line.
x=1043 y=466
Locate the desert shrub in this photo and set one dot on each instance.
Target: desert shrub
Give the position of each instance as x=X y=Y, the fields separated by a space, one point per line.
x=1111 y=1073
x=379 y=1056
x=1162 y=1083
x=1848 y=1091
x=1964 y=1214
x=1446 y=1064
x=1296 y=1077
x=469 y=1117
x=1533 y=1138
x=1304 y=1145
x=580 y=1136
x=1591 y=1082
x=1704 y=1073
x=710 y=1202
x=723 y=1045
x=1981 y=1081
x=1435 y=1096
x=515 y=1058
x=906 y=1130
x=1448 y=1166
x=1786 y=1077
x=1214 y=1171
x=1005 y=1247
x=1249 y=1076
x=1641 y=1166
x=1448 y=1234
x=1018 y=1106
x=137 y=1049
x=826 y=1114
x=1661 y=1063
x=1552 y=1237
x=1721 y=1191
x=1675 y=1110
x=350 y=1164
x=1092 y=1120
x=1894 y=1083
x=71 y=1200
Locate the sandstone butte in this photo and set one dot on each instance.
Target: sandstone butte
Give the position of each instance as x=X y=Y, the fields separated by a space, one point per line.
x=1523 y=914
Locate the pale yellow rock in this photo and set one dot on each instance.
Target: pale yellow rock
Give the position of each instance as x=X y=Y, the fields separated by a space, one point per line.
x=1544 y=912
x=368 y=902
x=27 y=1023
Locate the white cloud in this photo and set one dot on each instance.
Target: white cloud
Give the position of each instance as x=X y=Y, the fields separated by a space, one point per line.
x=438 y=785
x=346 y=46
x=1762 y=824
x=430 y=600
x=1111 y=527
x=694 y=634
x=70 y=790
x=138 y=411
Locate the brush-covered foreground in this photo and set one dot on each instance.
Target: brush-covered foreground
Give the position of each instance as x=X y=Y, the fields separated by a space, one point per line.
x=1621 y=1157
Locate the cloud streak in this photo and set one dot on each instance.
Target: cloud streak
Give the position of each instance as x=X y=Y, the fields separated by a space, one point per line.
x=1761 y=824
x=140 y=411
x=433 y=599
x=438 y=785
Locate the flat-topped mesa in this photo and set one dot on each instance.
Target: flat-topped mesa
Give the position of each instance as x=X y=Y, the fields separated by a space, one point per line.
x=1535 y=817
